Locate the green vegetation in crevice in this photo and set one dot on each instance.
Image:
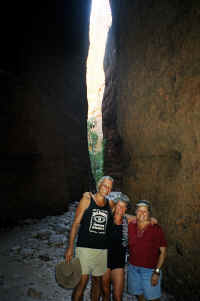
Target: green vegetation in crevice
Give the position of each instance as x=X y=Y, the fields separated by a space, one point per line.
x=96 y=157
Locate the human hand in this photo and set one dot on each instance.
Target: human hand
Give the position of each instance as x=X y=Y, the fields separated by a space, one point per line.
x=154 y=221
x=69 y=254
x=131 y=218
x=154 y=279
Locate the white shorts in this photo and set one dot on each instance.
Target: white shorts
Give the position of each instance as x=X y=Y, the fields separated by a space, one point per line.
x=93 y=261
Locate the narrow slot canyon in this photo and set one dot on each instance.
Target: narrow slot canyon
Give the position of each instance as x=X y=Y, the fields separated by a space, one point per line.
x=150 y=123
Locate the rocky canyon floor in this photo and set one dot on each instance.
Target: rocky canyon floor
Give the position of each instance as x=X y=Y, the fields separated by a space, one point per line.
x=29 y=253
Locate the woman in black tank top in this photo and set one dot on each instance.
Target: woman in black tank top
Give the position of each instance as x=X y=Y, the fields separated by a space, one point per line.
x=117 y=248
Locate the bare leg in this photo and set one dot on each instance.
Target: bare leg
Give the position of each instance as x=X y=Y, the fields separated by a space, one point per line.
x=117 y=277
x=106 y=285
x=79 y=289
x=96 y=288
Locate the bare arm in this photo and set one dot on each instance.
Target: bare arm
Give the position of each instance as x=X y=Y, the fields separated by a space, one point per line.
x=83 y=205
x=87 y=195
x=161 y=259
x=112 y=204
x=130 y=218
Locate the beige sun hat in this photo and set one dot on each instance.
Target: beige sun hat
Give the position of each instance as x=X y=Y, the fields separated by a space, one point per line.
x=68 y=275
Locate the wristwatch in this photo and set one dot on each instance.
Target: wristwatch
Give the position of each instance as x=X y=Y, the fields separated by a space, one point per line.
x=157 y=271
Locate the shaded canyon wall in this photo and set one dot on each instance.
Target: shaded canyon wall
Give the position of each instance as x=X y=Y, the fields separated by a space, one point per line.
x=44 y=152
x=151 y=123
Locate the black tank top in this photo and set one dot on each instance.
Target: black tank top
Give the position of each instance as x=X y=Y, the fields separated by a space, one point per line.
x=93 y=231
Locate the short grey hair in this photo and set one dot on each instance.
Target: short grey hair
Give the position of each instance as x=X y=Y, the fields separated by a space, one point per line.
x=104 y=178
x=144 y=203
x=116 y=196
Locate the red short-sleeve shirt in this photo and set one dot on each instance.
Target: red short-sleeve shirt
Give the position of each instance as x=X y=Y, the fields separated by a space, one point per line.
x=144 y=249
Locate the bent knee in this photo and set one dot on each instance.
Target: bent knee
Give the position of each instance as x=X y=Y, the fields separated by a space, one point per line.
x=117 y=294
x=106 y=288
x=117 y=297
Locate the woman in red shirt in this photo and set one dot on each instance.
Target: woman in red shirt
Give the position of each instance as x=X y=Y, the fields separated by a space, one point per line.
x=147 y=250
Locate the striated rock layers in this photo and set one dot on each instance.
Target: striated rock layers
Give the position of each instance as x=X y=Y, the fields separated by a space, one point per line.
x=151 y=123
x=44 y=152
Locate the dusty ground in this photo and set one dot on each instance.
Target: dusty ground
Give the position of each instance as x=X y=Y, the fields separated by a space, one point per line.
x=28 y=255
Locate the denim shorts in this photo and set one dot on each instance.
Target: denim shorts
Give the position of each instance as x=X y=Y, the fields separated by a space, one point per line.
x=139 y=283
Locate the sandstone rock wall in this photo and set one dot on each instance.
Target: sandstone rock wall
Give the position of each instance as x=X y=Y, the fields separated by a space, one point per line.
x=152 y=104
x=44 y=153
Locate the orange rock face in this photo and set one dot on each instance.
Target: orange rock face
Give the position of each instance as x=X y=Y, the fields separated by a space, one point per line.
x=152 y=105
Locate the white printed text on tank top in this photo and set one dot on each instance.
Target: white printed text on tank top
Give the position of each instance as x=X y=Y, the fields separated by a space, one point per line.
x=98 y=221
